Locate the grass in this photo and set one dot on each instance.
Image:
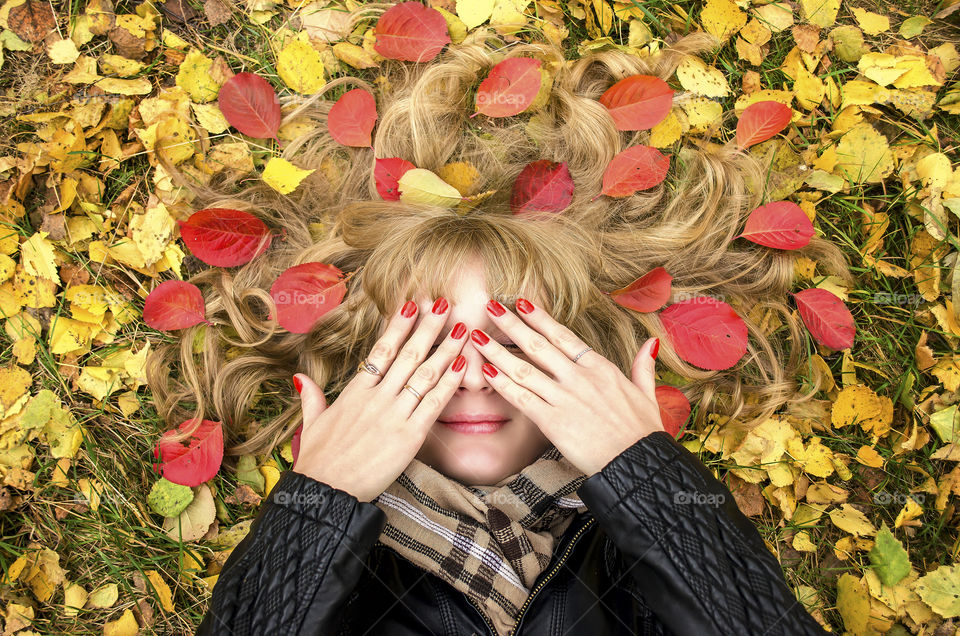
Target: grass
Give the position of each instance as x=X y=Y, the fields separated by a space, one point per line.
x=121 y=540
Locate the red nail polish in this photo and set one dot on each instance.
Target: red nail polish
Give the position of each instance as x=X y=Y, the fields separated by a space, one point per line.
x=495 y=308
x=479 y=337
x=409 y=308
x=458 y=363
x=489 y=370
x=440 y=305
x=524 y=305
x=297 y=384
x=458 y=330
x=655 y=349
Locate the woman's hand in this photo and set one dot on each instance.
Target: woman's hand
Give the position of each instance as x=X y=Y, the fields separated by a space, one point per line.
x=591 y=412
x=368 y=436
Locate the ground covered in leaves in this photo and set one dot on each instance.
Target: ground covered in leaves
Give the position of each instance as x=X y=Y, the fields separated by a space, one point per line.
x=856 y=491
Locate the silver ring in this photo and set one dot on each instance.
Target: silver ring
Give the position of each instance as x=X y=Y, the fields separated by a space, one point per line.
x=407 y=387
x=582 y=352
x=369 y=368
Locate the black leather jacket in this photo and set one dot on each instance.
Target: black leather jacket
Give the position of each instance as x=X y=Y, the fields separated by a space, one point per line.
x=663 y=549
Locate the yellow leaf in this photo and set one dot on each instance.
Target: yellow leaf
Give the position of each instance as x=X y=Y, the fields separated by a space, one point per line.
x=702 y=113
x=667 y=132
x=74 y=598
x=696 y=76
x=419 y=185
x=126 y=625
x=38 y=257
x=14 y=385
x=119 y=65
x=139 y=86
x=868 y=456
x=300 y=66
x=777 y=16
x=935 y=170
x=152 y=232
x=853 y=603
x=271 y=475
x=823 y=13
x=68 y=335
x=355 y=56
x=863 y=155
x=196 y=78
x=722 y=18
x=462 y=175
x=162 y=589
x=104 y=596
x=871 y=23
x=63 y=52
x=809 y=89
x=474 y=12
x=851 y=520
x=283 y=176
x=195 y=520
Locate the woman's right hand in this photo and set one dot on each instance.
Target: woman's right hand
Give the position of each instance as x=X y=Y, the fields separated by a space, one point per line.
x=368 y=436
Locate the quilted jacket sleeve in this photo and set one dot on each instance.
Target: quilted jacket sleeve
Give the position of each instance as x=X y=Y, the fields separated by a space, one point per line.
x=302 y=557
x=705 y=568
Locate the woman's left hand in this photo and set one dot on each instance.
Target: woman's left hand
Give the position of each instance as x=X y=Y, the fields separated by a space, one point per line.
x=591 y=412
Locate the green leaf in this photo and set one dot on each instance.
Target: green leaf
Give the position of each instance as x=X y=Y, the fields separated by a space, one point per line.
x=890 y=561
x=169 y=499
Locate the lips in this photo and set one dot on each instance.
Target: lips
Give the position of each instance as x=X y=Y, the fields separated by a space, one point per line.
x=475 y=423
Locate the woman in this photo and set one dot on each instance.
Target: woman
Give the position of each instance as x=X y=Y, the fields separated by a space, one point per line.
x=568 y=509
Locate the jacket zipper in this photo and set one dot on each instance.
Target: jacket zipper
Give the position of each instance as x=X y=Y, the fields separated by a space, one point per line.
x=526 y=604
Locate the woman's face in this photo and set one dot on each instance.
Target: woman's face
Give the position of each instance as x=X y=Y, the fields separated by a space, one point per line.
x=477 y=459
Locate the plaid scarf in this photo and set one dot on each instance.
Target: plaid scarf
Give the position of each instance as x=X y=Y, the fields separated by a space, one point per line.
x=489 y=542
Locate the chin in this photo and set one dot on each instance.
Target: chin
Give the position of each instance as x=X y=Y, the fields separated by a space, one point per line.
x=477 y=459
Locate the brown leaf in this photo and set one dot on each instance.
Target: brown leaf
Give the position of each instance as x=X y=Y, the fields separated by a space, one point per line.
x=751 y=82
x=145 y=612
x=179 y=11
x=807 y=36
x=748 y=496
x=217 y=12
x=55 y=225
x=72 y=274
x=127 y=44
x=32 y=20
x=244 y=495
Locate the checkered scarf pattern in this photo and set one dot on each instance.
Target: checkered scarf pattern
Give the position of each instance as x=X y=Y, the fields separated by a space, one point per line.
x=489 y=542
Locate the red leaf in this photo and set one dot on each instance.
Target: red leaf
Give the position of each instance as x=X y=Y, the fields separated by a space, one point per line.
x=251 y=106
x=225 y=237
x=194 y=464
x=509 y=88
x=761 y=121
x=674 y=408
x=648 y=293
x=411 y=32
x=633 y=169
x=174 y=304
x=826 y=317
x=352 y=117
x=542 y=185
x=781 y=224
x=304 y=293
x=387 y=173
x=638 y=102
x=705 y=332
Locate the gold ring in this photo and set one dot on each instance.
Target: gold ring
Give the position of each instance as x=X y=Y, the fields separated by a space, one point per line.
x=407 y=387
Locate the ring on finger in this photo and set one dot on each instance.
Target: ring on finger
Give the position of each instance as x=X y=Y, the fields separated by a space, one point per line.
x=407 y=387
x=369 y=368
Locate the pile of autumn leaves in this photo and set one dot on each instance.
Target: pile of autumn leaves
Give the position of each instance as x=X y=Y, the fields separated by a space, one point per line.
x=704 y=332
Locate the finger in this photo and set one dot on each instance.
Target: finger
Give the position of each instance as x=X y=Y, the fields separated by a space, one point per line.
x=521 y=372
x=313 y=401
x=414 y=350
x=385 y=349
x=643 y=372
x=433 y=403
x=528 y=402
x=429 y=373
x=532 y=335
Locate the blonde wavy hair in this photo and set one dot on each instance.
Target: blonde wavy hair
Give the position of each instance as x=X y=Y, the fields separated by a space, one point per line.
x=570 y=260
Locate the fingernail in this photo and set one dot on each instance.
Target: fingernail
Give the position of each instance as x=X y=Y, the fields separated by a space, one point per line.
x=458 y=330
x=409 y=308
x=524 y=305
x=489 y=370
x=495 y=308
x=479 y=337
x=440 y=305
x=458 y=363
x=297 y=384
x=655 y=348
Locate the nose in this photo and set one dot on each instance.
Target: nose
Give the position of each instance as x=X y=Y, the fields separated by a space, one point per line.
x=473 y=377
